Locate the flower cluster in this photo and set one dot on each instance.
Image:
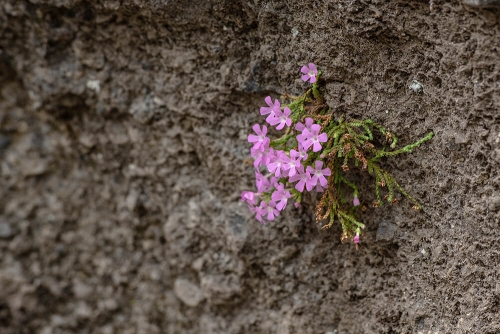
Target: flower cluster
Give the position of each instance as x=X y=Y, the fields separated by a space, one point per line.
x=314 y=154
x=277 y=171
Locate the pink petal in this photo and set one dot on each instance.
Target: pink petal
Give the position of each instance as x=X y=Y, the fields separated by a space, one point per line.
x=322 y=180
x=273 y=181
x=318 y=164
x=294 y=178
x=269 y=101
x=257 y=161
x=313 y=79
x=319 y=189
x=277 y=106
x=264 y=144
x=315 y=128
x=306 y=133
x=300 y=186
x=301 y=139
x=304 y=69
x=307 y=143
x=312 y=66
x=256 y=128
x=323 y=137
x=284 y=158
x=327 y=172
x=253 y=138
x=265 y=110
x=272 y=120
x=305 y=77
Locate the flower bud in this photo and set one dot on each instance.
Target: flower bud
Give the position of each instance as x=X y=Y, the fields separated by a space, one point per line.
x=355 y=201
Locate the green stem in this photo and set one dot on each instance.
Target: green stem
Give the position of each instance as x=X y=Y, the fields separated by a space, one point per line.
x=350 y=184
x=406 y=149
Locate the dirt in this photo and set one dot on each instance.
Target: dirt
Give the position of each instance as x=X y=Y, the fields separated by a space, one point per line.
x=123 y=154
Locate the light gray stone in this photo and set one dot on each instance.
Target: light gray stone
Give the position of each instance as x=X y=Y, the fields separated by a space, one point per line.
x=189 y=293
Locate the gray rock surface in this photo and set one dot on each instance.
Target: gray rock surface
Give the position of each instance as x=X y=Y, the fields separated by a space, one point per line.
x=5 y=230
x=123 y=154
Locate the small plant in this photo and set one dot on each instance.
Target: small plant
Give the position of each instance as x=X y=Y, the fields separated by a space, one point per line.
x=316 y=152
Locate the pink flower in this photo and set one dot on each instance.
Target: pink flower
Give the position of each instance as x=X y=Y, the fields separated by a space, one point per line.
x=301 y=154
x=257 y=212
x=291 y=166
x=263 y=183
x=277 y=163
x=313 y=138
x=249 y=197
x=300 y=127
x=268 y=209
x=260 y=140
x=281 y=118
x=262 y=157
x=306 y=131
x=355 y=201
x=356 y=239
x=310 y=73
x=296 y=204
x=304 y=179
x=319 y=174
x=272 y=108
x=281 y=196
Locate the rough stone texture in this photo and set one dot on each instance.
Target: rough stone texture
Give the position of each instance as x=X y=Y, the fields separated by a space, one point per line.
x=123 y=152
x=187 y=292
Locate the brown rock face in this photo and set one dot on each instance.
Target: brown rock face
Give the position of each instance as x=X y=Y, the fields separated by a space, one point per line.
x=123 y=154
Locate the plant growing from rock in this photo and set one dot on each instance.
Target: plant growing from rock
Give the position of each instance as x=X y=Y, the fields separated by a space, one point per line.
x=316 y=152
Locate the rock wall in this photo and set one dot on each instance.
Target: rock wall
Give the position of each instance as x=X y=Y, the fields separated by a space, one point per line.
x=123 y=153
